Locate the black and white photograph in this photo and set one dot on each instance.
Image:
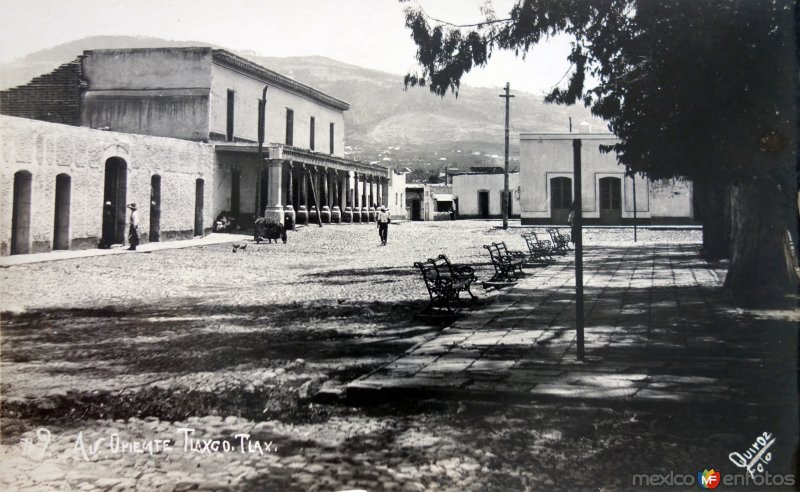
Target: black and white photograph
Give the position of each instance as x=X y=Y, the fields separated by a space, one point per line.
x=399 y=245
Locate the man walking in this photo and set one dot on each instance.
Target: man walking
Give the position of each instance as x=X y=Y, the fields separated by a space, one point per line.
x=383 y=225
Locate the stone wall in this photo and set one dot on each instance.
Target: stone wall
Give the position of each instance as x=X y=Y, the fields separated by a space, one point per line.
x=150 y=91
x=47 y=150
x=54 y=97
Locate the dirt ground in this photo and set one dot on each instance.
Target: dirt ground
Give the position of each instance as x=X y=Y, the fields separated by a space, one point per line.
x=133 y=348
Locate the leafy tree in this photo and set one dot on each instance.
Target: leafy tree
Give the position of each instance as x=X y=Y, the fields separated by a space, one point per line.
x=696 y=89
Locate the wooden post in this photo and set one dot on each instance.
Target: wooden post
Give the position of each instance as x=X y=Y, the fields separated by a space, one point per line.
x=577 y=232
x=314 y=197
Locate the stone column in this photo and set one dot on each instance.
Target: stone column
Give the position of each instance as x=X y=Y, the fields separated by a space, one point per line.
x=343 y=189
x=356 y=193
x=274 y=209
x=364 y=191
x=323 y=189
x=385 y=182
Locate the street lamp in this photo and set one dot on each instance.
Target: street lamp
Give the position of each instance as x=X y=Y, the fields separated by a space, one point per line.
x=584 y=123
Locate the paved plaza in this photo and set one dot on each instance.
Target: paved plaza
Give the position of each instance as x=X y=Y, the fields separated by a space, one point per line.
x=318 y=351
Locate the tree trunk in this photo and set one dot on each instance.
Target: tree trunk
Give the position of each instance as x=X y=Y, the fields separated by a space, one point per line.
x=760 y=272
x=714 y=211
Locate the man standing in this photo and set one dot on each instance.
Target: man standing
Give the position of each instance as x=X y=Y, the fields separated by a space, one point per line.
x=133 y=232
x=383 y=225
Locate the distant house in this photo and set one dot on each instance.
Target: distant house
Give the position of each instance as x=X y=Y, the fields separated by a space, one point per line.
x=180 y=133
x=479 y=193
x=546 y=185
x=429 y=201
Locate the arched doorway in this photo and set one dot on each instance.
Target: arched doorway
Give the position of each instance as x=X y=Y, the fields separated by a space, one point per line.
x=115 y=193
x=21 y=214
x=61 y=219
x=560 y=199
x=610 y=201
x=198 y=206
x=155 y=209
x=483 y=204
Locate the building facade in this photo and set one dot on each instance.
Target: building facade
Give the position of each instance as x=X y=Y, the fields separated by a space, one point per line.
x=217 y=103
x=479 y=195
x=546 y=185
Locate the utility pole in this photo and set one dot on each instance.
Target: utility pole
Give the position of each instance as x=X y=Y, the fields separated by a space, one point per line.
x=262 y=106
x=506 y=196
x=577 y=238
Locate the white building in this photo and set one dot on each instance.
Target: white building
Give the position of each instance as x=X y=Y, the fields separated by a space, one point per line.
x=546 y=185
x=480 y=195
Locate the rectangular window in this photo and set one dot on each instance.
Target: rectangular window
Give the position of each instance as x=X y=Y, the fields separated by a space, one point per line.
x=229 y=128
x=331 y=138
x=289 y=127
x=311 y=135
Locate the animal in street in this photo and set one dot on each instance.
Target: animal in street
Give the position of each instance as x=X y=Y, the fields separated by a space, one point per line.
x=269 y=231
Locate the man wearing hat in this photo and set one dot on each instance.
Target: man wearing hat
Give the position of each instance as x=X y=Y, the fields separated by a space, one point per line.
x=133 y=232
x=383 y=225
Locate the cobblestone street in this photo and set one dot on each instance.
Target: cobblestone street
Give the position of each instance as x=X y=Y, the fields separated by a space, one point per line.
x=225 y=353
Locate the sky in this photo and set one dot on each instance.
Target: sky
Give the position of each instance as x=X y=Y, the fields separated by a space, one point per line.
x=367 y=33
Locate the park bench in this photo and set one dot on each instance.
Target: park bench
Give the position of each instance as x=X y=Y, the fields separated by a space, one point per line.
x=540 y=252
x=445 y=281
x=507 y=265
x=560 y=241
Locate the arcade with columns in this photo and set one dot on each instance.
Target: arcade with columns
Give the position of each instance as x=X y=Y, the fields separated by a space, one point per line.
x=297 y=186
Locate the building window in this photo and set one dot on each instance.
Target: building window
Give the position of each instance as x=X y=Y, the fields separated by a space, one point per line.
x=610 y=194
x=289 y=127
x=229 y=129
x=560 y=193
x=311 y=134
x=332 y=133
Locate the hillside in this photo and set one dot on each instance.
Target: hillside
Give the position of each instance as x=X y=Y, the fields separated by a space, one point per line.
x=412 y=128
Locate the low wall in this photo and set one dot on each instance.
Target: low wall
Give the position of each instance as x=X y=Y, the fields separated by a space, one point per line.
x=47 y=150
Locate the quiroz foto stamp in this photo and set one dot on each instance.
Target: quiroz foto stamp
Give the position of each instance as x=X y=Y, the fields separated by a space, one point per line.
x=184 y=440
x=755 y=458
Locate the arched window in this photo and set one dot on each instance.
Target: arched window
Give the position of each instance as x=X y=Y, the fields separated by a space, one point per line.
x=21 y=213
x=62 y=212
x=155 y=209
x=198 y=206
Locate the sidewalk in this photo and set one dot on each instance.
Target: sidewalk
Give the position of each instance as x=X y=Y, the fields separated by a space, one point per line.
x=658 y=331
x=213 y=238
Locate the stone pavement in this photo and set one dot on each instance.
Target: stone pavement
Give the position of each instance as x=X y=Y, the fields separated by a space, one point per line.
x=213 y=238
x=659 y=330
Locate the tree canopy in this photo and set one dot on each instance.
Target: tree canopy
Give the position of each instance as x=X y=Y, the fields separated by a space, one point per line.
x=701 y=89
x=698 y=89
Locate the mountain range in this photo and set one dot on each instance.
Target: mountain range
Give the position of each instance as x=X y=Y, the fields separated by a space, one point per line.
x=387 y=123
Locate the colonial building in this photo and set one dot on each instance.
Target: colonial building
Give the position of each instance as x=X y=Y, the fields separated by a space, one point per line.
x=546 y=185
x=218 y=103
x=479 y=194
